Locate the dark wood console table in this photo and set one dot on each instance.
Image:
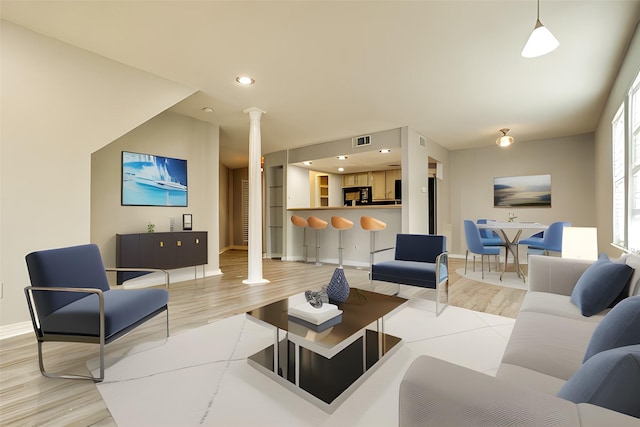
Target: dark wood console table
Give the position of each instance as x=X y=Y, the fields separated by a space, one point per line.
x=164 y=251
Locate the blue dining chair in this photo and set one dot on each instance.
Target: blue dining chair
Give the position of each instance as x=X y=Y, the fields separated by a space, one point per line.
x=489 y=238
x=475 y=246
x=550 y=241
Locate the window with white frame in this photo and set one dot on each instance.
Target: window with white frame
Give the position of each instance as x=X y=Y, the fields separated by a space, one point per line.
x=626 y=171
x=617 y=155
x=633 y=235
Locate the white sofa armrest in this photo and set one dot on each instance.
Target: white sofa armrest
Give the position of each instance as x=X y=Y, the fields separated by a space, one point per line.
x=554 y=274
x=434 y=392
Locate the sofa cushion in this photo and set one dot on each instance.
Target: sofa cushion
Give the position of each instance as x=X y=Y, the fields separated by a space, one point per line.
x=556 y=304
x=535 y=380
x=549 y=344
x=599 y=285
x=610 y=379
x=620 y=327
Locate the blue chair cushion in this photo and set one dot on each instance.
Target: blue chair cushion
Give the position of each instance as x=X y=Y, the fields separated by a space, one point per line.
x=122 y=309
x=533 y=242
x=491 y=241
x=414 y=273
x=620 y=327
x=599 y=285
x=610 y=379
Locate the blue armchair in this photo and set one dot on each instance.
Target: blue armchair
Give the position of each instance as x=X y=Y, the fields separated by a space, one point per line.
x=420 y=260
x=70 y=300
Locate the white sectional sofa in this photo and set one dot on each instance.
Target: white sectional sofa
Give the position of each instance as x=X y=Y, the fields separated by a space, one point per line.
x=547 y=346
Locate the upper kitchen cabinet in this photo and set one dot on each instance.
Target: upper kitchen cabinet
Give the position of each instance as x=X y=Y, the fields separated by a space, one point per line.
x=382 y=183
x=356 y=179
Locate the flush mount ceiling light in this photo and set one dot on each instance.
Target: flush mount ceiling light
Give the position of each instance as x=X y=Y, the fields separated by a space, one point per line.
x=341 y=157
x=505 y=140
x=340 y=169
x=245 y=80
x=541 y=41
x=307 y=163
x=385 y=151
x=207 y=109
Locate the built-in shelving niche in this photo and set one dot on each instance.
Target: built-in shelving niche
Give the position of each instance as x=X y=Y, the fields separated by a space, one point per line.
x=276 y=211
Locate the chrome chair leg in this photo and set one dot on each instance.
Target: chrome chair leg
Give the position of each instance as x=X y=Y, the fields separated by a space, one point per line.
x=465 y=261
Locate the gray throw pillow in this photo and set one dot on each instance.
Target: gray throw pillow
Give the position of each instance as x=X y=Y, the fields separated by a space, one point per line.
x=599 y=285
x=610 y=379
x=618 y=328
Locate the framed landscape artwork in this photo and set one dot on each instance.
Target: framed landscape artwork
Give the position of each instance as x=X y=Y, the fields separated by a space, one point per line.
x=522 y=191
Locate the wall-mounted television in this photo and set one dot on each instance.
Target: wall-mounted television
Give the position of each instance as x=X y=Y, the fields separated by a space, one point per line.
x=150 y=180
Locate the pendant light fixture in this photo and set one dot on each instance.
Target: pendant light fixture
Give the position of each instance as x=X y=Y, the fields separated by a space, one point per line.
x=541 y=41
x=505 y=140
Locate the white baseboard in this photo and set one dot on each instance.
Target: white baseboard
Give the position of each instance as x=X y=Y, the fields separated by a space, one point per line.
x=15 y=329
x=234 y=247
x=175 y=276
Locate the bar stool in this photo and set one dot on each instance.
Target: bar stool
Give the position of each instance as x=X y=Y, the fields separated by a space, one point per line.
x=317 y=224
x=372 y=225
x=340 y=224
x=299 y=221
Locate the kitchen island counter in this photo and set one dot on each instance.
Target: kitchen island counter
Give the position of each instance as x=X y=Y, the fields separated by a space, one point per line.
x=328 y=208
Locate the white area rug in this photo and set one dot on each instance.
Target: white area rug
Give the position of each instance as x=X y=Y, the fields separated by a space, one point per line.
x=201 y=377
x=509 y=280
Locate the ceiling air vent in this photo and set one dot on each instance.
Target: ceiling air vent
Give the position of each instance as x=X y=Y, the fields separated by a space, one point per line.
x=361 y=141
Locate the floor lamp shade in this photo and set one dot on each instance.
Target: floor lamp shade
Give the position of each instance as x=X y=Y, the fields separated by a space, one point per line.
x=580 y=243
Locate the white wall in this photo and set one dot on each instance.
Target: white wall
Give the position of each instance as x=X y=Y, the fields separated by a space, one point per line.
x=415 y=174
x=443 y=200
x=336 y=198
x=59 y=104
x=170 y=135
x=570 y=161
x=604 y=183
x=297 y=183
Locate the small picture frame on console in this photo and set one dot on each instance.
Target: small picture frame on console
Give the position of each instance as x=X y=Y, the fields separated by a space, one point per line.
x=187 y=222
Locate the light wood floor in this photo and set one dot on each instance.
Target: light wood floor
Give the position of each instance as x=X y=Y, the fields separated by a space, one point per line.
x=29 y=399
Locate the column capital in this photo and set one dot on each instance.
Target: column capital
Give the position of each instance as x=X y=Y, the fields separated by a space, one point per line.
x=254 y=111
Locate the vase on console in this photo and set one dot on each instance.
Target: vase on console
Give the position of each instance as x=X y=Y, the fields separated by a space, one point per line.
x=338 y=287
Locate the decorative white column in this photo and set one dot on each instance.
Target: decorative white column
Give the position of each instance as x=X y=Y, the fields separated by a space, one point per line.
x=255 y=200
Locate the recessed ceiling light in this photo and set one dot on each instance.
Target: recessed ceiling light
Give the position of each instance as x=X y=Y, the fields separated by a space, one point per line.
x=245 y=80
x=342 y=157
x=340 y=169
x=307 y=163
x=207 y=109
x=385 y=151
